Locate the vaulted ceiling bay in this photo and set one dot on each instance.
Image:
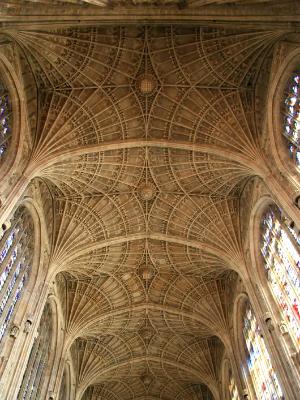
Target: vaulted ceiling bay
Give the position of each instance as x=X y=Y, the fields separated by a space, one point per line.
x=145 y=139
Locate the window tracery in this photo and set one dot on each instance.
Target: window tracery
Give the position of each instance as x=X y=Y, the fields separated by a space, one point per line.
x=263 y=376
x=233 y=392
x=280 y=250
x=34 y=375
x=5 y=120
x=15 y=265
x=230 y=391
x=292 y=117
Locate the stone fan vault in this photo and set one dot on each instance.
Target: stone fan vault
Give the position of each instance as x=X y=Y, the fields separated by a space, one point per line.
x=144 y=145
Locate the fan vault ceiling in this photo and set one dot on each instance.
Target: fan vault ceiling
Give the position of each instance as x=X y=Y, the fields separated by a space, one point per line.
x=144 y=140
x=17 y=5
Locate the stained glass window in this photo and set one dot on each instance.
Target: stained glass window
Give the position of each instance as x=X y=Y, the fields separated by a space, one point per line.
x=292 y=117
x=34 y=375
x=233 y=392
x=15 y=262
x=281 y=256
x=262 y=374
x=5 y=120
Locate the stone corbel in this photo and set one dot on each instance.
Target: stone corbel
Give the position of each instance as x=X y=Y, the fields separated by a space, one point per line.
x=270 y=324
x=28 y=325
x=287 y=221
x=51 y=395
x=5 y=226
x=14 y=331
x=283 y=328
x=297 y=201
x=51 y=291
x=296 y=357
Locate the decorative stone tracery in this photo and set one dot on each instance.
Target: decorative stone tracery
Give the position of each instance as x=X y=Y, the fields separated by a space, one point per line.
x=145 y=139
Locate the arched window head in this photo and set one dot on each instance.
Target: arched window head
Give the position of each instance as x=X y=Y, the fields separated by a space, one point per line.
x=281 y=257
x=259 y=364
x=16 y=254
x=35 y=372
x=5 y=120
x=292 y=117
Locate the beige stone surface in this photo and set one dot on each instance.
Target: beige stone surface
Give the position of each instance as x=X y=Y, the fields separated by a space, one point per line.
x=143 y=140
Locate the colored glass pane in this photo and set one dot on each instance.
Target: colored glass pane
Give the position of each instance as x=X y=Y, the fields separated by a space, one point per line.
x=280 y=250
x=292 y=118
x=262 y=374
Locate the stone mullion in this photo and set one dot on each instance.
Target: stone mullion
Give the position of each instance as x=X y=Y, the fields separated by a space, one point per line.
x=35 y=368
x=7 y=258
x=236 y=371
x=8 y=232
x=282 y=340
x=27 y=378
x=21 y=371
x=287 y=337
x=12 y=294
x=18 y=347
x=18 y=236
x=37 y=378
x=11 y=272
x=40 y=374
x=4 y=139
x=43 y=356
x=15 y=244
x=285 y=360
x=20 y=256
